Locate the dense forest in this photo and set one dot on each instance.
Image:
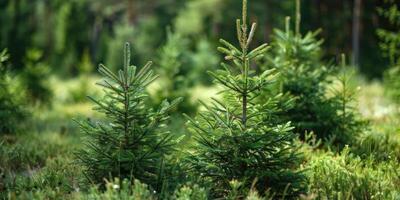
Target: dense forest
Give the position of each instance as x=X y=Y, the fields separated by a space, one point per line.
x=199 y=99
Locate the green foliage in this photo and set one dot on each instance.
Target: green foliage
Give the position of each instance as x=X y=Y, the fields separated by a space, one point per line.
x=38 y=195
x=237 y=191
x=390 y=44
x=381 y=146
x=12 y=113
x=24 y=153
x=133 y=142
x=181 y=69
x=245 y=144
x=348 y=177
x=236 y=138
x=139 y=191
x=391 y=38
x=32 y=162
x=191 y=19
x=304 y=78
x=172 y=59
x=122 y=33
x=117 y=190
x=142 y=42
x=350 y=123
x=188 y=193
x=35 y=79
x=203 y=58
x=392 y=83
x=125 y=190
x=79 y=93
x=56 y=179
x=318 y=107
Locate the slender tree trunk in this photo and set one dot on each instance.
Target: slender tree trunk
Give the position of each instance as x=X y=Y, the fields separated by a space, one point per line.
x=356 y=32
x=298 y=17
x=97 y=28
x=267 y=26
x=131 y=11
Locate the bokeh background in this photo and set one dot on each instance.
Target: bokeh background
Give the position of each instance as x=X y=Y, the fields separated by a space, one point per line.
x=64 y=35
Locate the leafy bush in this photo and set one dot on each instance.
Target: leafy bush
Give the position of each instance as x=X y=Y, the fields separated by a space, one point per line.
x=132 y=143
x=236 y=138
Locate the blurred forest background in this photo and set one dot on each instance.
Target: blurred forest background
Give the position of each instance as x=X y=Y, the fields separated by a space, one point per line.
x=70 y=37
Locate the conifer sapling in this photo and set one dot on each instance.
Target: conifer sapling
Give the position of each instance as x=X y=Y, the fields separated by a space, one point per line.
x=307 y=79
x=12 y=113
x=237 y=138
x=174 y=80
x=350 y=125
x=132 y=142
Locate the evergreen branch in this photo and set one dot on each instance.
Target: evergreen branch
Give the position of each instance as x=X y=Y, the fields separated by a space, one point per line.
x=251 y=35
x=145 y=69
x=107 y=73
x=216 y=115
x=104 y=107
x=107 y=85
x=230 y=46
x=227 y=83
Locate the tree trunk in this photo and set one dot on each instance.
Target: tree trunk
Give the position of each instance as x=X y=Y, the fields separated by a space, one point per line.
x=356 y=33
x=131 y=9
x=267 y=23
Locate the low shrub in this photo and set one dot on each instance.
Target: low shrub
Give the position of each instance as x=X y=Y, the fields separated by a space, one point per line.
x=345 y=176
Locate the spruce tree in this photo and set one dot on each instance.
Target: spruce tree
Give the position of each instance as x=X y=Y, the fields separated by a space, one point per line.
x=350 y=123
x=132 y=142
x=237 y=136
x=173 y=57
x=308 y=79
x=180 y=68
x=304 y=77
x=12 y=114
x=35 y=78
